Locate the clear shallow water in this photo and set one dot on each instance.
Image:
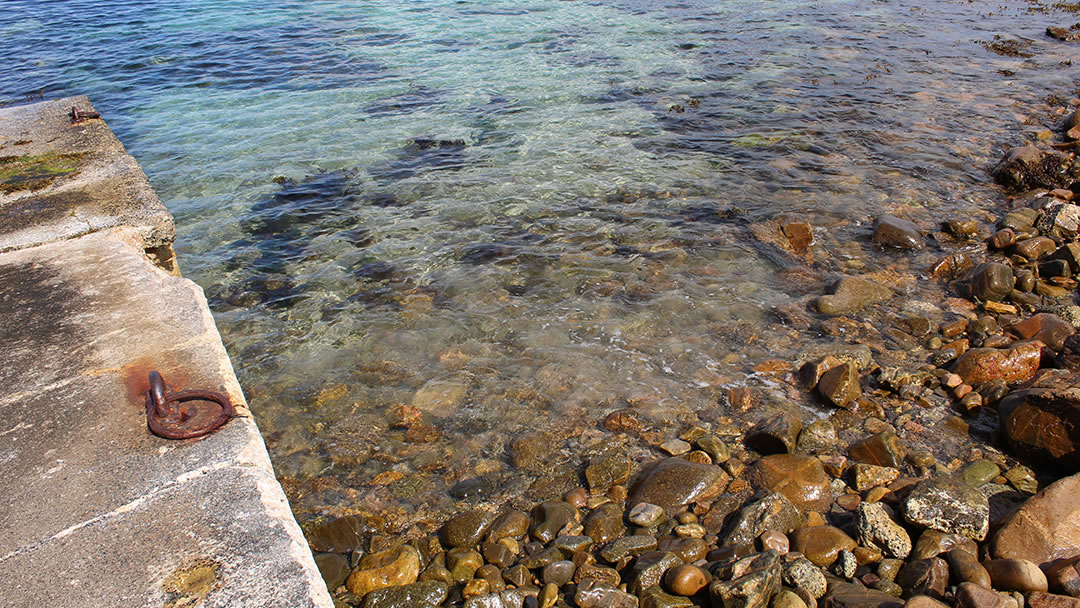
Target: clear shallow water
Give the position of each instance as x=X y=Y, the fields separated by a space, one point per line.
x=523 y=215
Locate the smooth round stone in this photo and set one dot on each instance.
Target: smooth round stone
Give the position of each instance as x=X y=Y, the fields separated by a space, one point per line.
x=932 y=543
x=388 y=568
x=688 y=549
x=970 y=595
x=889 y=568
x=712 y=445
x=925 y=576
x=1015 y=575
x=891 y=231
x=497 y=554
x=685 y=580
x=463 y=563
x=889 y=587
x=646 y=515
x=690 y=531
x=438 y=574
x=992 y=281
x=493 y=576
x=511 y=524
x=923 y=601
x=800 y=478
x=787 y=599
x=608 y=469
x=851 y=294
x=423 y=593
x=577 y=497
x=605 y=523
x=466 y=529
x=777 y=541
x=965 y=567
x=673 y=482
x=518 y=576
x=551 y=517
x=558 y=573
x=821 y=544
x=979 y=472
x=475 y=587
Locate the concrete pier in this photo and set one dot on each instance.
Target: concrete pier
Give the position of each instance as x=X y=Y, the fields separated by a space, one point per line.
x=95 y=510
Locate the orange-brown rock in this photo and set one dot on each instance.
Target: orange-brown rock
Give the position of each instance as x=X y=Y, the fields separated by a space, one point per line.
x=1044 y=529
x=1016 y=364
x=801 y=479
x=389 y=568
x=821 y=544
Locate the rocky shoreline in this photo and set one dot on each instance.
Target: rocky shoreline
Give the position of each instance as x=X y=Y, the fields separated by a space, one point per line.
x=842 y=511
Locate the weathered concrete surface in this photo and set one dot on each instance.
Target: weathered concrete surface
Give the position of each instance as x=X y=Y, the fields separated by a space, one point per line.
x=102 y=185
x=94 y=510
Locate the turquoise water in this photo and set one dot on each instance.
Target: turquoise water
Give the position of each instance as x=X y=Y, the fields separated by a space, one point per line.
x=518 y=216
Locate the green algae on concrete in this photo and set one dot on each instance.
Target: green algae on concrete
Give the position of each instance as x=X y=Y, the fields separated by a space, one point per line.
x=34 y=172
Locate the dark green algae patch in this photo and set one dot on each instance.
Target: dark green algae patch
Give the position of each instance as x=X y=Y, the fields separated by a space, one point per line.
x=35 y=172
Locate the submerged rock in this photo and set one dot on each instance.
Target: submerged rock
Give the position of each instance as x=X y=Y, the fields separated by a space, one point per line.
x=891 y=231
x=852 y=294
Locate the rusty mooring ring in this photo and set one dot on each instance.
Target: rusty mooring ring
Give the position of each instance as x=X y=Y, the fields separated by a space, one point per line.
x=167 y=417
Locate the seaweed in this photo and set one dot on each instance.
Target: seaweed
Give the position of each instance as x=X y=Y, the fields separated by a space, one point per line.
x=35 y=172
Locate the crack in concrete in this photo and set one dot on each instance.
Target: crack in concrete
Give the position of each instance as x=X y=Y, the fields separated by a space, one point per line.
x=126 y=508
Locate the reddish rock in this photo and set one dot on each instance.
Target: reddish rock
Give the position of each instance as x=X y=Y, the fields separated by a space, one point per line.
x=1044 y=528
x=1045 y=327
x=1042 y=422
x=1016 y=364
x=1039 y=599
x=801 y=479
x=625 y=420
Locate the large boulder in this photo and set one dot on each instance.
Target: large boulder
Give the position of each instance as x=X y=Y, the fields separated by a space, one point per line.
x=1044 y=529
x=1042 y=421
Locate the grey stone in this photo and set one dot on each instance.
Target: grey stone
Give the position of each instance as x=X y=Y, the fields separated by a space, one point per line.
x=803 y=573
x=876 y=528
x=949 y=505
x=772 y=512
